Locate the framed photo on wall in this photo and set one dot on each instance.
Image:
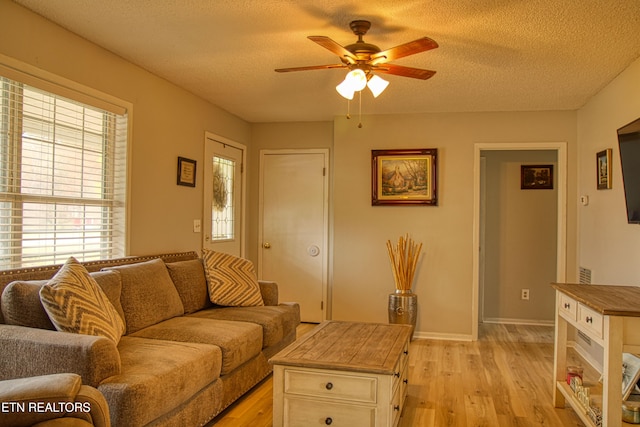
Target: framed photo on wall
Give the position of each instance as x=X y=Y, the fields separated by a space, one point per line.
x=186 y=172
x=603 y=163
x=404 y=177
x=536 y=177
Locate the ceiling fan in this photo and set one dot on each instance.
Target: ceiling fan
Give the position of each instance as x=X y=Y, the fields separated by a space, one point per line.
x=369 y=58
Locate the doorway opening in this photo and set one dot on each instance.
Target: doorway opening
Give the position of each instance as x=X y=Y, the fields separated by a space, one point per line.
x=482 y=152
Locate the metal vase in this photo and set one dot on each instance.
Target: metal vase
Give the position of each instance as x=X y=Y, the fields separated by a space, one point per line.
x=403 y=308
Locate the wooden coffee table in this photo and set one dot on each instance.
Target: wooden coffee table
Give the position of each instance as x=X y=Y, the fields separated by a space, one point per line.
x=343 y=374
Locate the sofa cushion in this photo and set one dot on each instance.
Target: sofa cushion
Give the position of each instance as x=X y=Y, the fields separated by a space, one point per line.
x=75 y=303
x=148 y=294
x=239 y=341
x=21 y=305
x=232 y=280
x=191 y=284
x=156 y=377
x=276 y=321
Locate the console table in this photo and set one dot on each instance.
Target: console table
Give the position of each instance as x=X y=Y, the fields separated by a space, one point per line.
x=609 y=316
x=342 y=373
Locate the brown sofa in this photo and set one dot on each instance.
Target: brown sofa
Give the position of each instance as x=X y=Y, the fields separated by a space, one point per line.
x=182 y=359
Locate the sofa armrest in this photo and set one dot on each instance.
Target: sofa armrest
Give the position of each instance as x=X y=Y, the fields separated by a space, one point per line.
x=27 y=401
x=28 y=352
x=269 y=291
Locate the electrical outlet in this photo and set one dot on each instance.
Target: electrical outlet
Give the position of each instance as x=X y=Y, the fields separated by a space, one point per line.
x=524 y=294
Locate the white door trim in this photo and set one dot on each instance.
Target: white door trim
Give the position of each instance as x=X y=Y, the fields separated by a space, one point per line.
x=561 y=182
x=209 y=136
x=325 y=215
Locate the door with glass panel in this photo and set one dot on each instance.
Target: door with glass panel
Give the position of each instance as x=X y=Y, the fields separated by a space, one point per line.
x=223 y=195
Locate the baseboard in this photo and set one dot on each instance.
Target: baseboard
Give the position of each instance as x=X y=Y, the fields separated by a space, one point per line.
x=529 y=322
x=441 y=336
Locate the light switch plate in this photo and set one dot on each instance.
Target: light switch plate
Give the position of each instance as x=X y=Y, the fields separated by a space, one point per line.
x=197 y=227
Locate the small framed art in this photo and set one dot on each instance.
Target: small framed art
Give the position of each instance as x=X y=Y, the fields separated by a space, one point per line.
x=536 y=177
x=603 y=163
x=186 y=172
x=404 y=177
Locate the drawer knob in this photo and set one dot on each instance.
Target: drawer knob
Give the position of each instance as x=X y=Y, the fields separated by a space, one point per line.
x=396 y=407
x=328 y=421
x=329 y=386
x=406 y=381
x=589 y=319
x=397 y=374
x=406 y=352
x=567 y=305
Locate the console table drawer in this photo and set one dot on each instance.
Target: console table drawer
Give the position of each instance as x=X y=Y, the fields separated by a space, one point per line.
x=305 y=412
x=330 y=385
x=568 y=307
x=590 y=320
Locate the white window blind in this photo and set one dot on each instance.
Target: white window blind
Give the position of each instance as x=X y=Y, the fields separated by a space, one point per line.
x=62 y=178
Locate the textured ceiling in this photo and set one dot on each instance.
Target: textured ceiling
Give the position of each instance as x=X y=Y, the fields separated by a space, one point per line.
x=494 y=55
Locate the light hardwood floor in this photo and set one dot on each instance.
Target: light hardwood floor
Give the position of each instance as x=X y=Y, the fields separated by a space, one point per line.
x=503 y=379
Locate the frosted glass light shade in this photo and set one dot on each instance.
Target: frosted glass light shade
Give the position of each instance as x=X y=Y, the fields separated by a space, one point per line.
x=377 y=85
x=357 y=78
x=345 y=90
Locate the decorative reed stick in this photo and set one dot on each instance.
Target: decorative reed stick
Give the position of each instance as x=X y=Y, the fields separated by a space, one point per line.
x=404 y=260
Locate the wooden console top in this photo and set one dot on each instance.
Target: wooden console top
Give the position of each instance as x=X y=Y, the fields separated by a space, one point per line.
x=607 y=300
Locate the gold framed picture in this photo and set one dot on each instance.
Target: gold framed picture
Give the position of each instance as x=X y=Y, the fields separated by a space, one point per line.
x=603 y=163
x=404 y=177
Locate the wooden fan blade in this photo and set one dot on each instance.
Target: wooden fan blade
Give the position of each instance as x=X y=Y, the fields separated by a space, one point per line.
x=311 y=67
x=406 y=49
x=334 y=47
x=399 y=70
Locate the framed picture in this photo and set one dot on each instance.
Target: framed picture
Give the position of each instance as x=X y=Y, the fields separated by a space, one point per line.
x=603 y=163
x=536 y=177
x=630 y=374
x=404 y=177
x=186 y=172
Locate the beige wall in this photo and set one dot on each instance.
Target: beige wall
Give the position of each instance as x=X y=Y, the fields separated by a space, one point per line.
x=608 y=245
x=362 y=277
x=167 y=122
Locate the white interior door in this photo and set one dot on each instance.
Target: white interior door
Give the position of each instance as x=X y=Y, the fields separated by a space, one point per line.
x=223 y=217
x=294 y=227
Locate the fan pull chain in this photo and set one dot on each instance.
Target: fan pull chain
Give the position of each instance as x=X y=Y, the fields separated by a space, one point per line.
x=360 y=111
x=348 y=109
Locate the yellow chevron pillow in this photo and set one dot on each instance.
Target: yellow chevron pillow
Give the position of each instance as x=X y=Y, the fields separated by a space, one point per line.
x=75 y=303
x=231 y=280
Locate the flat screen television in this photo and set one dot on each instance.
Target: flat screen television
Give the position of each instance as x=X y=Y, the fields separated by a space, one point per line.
x=629 y=143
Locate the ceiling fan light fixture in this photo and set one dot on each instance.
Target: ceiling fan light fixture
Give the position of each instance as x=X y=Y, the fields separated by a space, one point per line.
x=377 y=85
x=355 y=81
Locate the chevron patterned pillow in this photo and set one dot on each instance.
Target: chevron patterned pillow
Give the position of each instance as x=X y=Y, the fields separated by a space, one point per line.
x=75 y=303
x=231 y=280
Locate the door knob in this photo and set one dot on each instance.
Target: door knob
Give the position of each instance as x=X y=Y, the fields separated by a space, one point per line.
x=266 y=245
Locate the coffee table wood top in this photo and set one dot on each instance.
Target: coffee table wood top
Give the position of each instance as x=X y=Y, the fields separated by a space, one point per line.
x=349 y=346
